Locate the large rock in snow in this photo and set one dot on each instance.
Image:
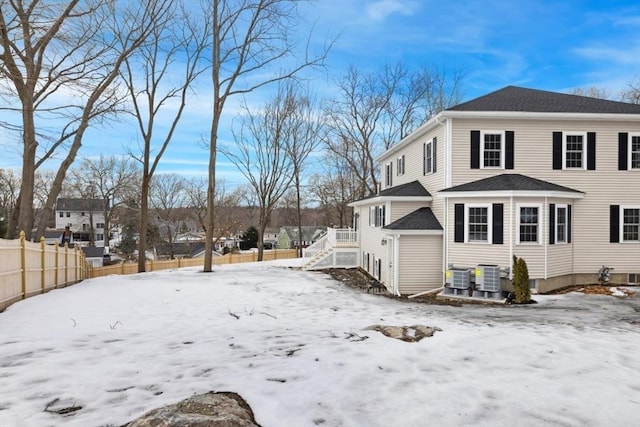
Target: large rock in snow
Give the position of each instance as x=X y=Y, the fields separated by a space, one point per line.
x=223 y=409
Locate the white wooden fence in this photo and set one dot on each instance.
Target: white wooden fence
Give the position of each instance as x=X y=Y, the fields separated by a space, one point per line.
x=28 y=268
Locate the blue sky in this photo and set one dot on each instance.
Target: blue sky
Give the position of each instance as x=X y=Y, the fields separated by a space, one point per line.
x=542 y=44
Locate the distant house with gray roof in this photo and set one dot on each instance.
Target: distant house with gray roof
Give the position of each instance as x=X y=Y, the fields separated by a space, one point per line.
x=288 y=238
x=83 y=217
x=549 y=177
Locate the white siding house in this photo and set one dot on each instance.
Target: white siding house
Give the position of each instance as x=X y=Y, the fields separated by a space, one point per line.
x=549 y=177
x=83 y=217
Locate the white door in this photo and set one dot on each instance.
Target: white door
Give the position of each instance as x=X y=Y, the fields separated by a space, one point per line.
x=390 y=264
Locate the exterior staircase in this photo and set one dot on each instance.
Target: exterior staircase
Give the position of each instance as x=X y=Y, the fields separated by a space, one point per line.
x=338 y=248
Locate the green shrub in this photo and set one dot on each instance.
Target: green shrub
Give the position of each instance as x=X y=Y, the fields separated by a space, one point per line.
x=521 y=280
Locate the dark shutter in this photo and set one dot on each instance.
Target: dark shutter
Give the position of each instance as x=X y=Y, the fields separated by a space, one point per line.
x=557 y=150
x=435 y=154
x=508 y=149
x=591 y=151
x=475 y=149
x=458 y=235
x=614 y=223
x=569 y=224
x=552 y=223
x=497 y=224
x=623 y=145
x=424 y=159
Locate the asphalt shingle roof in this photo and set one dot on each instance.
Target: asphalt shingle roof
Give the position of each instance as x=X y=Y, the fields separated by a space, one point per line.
x=421 y=219
x=93 y=251
x=411 y=189
x=510 y=182
x=513 y=98
x=63 y=204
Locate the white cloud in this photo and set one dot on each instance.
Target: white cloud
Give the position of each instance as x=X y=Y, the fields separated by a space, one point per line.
x=628 y=56
x=380 y=10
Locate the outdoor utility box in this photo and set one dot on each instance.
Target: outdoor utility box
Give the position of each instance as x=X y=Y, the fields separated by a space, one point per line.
x=487 y=281
x=457 y=281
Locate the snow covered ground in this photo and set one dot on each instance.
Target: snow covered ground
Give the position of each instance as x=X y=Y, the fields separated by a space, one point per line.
x=120 y=346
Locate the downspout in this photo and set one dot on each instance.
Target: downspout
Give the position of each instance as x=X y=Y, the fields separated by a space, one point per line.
x=510 y=236
x=445 y=241
x=545 y=237
x=396 y=263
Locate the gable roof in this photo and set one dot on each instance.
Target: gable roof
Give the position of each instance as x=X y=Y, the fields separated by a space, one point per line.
x=421 y=219
x=190 y=249
x=309 y=232
x=410 y=189
x=509 y=182
x=63 y=204
x=513 y=98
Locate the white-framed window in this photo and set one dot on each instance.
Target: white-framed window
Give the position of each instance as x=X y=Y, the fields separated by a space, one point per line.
x=630 y=223
x=61 y=214
x=562 y=221
x=377 y=216
x=428 y=157
x=529 y=223
x=478 y=223
x=634 y=151
x=400 y=165
x=388 y=174
x=100 y=225
x=492 y=149
x=376 y=268
x=574 y=150
x=68 y=214
x=99 y=236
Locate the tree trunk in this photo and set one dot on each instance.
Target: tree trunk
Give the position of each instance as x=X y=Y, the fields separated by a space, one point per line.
x=26 y=217
x=299 y=213
x=142 y=229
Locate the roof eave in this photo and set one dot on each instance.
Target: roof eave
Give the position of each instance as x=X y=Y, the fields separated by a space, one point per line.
x=416 y=134
x=382 y=199
x=510 y=193
x=539 y=115
x=413 y=232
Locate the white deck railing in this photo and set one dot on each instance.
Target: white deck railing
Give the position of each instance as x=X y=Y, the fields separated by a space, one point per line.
x=335 y=237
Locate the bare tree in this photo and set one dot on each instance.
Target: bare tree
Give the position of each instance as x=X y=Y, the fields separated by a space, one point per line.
x=260 y=153
x=9 y=190
x=167 y=198
x=632 y=93
x=152 y=82
x=374 y=110
x=250 y=39
x=55 y=48
x=305 y=136
x=592 y=92
x=334 y=188
x=108 y=178
x=226 y=218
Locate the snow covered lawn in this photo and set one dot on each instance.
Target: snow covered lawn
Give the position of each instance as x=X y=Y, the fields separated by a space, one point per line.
x=292 y=344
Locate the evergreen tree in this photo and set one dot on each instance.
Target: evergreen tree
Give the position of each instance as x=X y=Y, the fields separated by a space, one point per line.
x=521 y=280
x=249 y=238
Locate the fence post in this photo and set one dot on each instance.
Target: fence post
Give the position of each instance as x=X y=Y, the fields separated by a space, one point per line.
x=57 y=265
x=150 y=265
x=66 y=263
x=42 y=263
x=23 y=261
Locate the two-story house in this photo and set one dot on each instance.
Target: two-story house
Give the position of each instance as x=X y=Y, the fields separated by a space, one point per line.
x=549 y=177
x=82 y=216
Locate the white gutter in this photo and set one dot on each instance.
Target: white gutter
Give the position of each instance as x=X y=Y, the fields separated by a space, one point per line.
x=545 y=237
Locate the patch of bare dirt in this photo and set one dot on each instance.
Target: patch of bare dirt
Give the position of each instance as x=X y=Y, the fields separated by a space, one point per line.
x=595 y=290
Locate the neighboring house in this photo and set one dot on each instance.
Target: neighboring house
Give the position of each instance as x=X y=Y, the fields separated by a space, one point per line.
x=288 y=236
x=549 y=177
x=81 y=215
x=94 y=255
